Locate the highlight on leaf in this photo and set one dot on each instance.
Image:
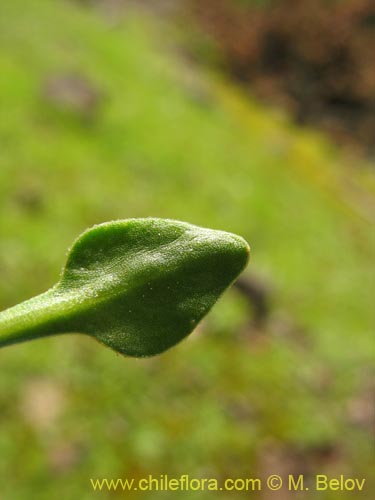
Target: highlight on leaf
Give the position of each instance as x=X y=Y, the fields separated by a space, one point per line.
x=138 y=286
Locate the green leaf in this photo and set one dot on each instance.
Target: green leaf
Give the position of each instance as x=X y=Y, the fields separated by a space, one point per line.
x=138 y=285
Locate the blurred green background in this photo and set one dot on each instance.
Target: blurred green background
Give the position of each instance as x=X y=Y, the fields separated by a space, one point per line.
x=109 y=111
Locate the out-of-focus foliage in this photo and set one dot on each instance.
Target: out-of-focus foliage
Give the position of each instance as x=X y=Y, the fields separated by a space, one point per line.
x=99 y=122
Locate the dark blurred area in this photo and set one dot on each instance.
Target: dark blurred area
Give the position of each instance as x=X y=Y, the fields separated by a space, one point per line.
x=313 y=57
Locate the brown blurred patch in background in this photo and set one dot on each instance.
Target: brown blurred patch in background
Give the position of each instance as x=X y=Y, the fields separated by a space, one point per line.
x=312 y=56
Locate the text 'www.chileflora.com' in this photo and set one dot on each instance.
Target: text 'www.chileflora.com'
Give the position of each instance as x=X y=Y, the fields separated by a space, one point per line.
x=274 y=482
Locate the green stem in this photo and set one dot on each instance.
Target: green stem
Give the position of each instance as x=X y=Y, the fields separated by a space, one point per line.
x=38 y=317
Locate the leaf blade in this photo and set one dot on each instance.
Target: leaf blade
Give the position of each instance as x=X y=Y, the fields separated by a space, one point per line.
x=141 y=285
